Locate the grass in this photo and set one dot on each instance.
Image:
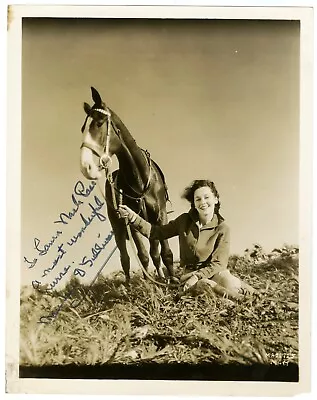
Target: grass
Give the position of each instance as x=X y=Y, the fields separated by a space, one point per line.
x=145 y=322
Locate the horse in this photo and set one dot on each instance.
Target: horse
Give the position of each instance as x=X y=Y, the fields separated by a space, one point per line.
x=138 y=182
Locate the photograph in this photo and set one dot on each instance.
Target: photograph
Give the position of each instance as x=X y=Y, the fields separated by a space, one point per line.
x=157 y=227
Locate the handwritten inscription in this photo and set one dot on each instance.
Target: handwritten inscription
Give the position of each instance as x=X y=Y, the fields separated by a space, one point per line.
x=79 y=190
x=88 y=220
x=60 y=268
x=32 y=263
x=48 y=287
x=46 y=319
x=95 y=252
x=43 y=251
x=61 y=253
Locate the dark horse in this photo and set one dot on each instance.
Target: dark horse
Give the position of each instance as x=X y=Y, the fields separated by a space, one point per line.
x=139 y=180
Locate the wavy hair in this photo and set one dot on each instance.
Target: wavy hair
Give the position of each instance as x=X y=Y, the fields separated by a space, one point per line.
x=189 y=191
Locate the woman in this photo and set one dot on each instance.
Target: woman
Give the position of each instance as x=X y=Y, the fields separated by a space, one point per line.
x=203 y=242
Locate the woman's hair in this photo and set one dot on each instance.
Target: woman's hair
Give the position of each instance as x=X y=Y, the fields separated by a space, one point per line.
x=198 y=183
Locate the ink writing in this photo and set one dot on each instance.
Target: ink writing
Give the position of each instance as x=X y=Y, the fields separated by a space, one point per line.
x=79 y=272
x=79 y=190
x=87 y=221
x=86 y=207
x=61 y=252
x=46 y=319
x=43 y=251
x=95 y=251
x=32 y=263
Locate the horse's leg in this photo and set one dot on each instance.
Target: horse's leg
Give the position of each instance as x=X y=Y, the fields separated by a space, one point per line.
x=120 y=235
x=141 y=249
x=156 y=258
x=166 y=252
x=167 y=257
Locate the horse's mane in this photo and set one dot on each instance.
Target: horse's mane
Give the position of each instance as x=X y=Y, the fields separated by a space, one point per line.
x=127 y=135
x=163 y=178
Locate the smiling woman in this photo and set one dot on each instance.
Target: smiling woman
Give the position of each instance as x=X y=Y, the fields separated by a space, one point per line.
x=203 y=242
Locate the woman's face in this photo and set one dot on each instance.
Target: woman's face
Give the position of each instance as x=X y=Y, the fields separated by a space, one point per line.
x=205 y=201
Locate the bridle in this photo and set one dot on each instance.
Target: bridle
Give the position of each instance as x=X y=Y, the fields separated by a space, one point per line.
x=104 y=158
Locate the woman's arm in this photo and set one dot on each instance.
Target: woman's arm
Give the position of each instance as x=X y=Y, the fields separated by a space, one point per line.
x=219 y=258
x=159 y=232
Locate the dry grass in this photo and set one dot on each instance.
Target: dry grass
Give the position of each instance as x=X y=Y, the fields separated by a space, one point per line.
x=145 y=323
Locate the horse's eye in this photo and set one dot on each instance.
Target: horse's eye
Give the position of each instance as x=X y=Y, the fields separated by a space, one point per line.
x=99 y=124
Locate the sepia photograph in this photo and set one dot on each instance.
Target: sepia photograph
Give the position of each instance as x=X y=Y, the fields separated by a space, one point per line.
x=160 y=221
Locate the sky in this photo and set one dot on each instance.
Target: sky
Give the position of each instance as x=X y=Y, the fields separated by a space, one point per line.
x=208 y=98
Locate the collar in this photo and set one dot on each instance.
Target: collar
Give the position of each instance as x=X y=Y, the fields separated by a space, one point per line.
x=211 y=224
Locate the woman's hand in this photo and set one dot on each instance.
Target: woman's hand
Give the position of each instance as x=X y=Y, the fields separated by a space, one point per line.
x=190 y=282
x=185 y=277
x=126 y=212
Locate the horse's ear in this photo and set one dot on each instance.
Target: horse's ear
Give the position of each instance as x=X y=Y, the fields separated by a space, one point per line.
x=96 y=96
x=87 y=108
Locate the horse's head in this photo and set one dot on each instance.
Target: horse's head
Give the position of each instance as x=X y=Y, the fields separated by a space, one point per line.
x=100 y=137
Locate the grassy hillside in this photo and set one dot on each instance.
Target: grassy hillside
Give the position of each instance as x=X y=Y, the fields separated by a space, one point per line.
x=146 y=323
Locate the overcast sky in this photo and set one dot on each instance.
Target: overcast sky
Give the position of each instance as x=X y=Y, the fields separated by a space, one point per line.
x=209 y=99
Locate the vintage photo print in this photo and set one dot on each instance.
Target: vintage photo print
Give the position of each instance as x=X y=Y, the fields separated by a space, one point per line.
x=160 y=186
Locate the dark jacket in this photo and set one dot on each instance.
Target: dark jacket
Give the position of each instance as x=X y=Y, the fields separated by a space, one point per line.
x=201 y=248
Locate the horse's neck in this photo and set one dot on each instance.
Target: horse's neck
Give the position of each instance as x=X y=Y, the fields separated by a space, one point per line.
x=131 y=157
x=133 y=165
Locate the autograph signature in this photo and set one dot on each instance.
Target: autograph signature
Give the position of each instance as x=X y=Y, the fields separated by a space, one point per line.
x=95 y=251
